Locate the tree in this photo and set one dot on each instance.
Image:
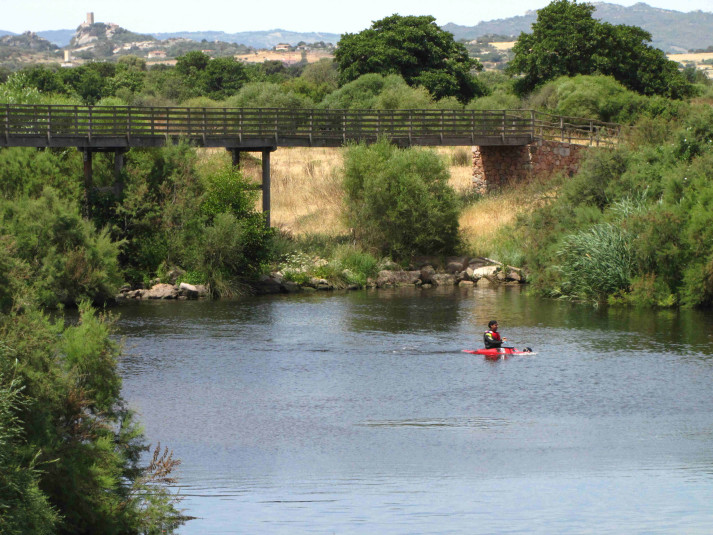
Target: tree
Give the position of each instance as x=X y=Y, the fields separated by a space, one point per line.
x=566 y=40
x=415 y=48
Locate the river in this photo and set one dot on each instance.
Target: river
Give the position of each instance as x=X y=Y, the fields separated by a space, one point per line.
x=357 y=412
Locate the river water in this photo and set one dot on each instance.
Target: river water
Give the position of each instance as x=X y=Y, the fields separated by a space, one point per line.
x=358 y=413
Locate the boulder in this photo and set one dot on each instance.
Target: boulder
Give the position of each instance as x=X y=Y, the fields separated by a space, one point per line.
x=426 y=274
x=291 y=287
x=188 y=291
x=161 y=291
x=466 y=283
x=444 y=279
x=456 y=264
x=267 y=285
x=397 y=278
x=485 y=271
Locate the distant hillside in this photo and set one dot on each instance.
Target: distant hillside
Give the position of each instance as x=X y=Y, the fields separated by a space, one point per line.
x=3 y=33
x=257 y=39
x=27 y=41
x=61 y=38
x=671 y=31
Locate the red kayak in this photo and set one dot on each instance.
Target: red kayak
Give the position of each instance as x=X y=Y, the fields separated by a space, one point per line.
x=499 y=353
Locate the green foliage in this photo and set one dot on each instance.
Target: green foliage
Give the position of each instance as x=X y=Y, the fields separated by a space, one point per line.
x=635 y=225
x=268 y=95
x=80 y=448
x=227 y=191
x=23 y=506
x=69 y=259
x=566 y=40
x=596 y=262
x=399 y=201
x=26 y=172
x=415 y=48
x=596 y=97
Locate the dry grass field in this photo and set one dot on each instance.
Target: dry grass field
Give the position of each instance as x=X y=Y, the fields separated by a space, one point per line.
x=289 y=58
x=306 y=194
x=696 y=59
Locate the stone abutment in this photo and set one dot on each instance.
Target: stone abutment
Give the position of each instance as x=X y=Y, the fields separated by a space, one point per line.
x=495 y=167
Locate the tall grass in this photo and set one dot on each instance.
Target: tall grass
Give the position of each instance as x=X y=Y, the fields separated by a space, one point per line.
x=597 y=262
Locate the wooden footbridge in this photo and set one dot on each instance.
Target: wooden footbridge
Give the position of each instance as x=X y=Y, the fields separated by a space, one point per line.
x=120 y=128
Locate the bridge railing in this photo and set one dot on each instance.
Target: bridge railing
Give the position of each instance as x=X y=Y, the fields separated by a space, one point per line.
x=309 y=125
x=576 y=130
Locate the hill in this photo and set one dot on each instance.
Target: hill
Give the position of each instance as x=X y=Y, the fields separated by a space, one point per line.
x=671 y=31
x=257 y=39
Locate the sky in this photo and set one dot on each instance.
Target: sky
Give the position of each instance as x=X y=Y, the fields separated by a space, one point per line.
x=329 y=16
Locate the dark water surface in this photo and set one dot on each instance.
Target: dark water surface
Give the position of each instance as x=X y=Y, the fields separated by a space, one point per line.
x=358 y=413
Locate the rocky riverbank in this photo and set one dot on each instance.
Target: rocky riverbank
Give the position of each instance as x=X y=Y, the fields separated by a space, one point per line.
x=423 y=273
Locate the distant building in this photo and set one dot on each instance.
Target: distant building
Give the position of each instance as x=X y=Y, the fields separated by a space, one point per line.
x=67 y=59
x=90 y=18
x=157 y=54
x=282 y=47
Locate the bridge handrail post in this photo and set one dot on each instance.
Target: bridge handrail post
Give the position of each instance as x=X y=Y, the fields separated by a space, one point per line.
x=532 y=124
x=153 y=121
x=89 y=119
x=7 y=123
x=49 y=123
x=344 y=126
x=562 y=129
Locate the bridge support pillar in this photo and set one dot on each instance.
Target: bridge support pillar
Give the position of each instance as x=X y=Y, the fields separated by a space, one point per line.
x=235 y=153
x=266 y=185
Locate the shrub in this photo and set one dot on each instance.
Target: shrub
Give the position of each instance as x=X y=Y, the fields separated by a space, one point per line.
x=596 y=262
x=399 y=201
x=69 y=258
x=267 y=95
x=78 y=432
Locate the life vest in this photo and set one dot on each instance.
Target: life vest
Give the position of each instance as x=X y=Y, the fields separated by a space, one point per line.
x=492 y=339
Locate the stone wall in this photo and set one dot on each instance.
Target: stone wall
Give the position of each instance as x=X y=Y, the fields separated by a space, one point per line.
x=495 y=167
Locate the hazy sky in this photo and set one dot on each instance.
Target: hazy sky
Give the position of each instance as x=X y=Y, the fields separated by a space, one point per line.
x=332 y=16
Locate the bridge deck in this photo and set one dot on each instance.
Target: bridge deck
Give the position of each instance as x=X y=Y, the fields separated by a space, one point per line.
x=118 y=127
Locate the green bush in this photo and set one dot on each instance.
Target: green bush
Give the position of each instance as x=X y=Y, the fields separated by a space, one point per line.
x=596 y=97
x=399 y=201
x=70 y=260
x=78 y=433
x=363 y=93
x=596 y=262
x=267 y=95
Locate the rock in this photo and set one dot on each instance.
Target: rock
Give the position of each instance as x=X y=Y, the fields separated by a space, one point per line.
x=320 y=284
x=291 y=287
x=456 y=264
x=188 y=291
x=444 y=279
x=203 y=290
x=397 y=278
x=466 y=283
x=479 y=262
x=267 y=285
x=426 y=274
x=161 y=291
x=486 y=271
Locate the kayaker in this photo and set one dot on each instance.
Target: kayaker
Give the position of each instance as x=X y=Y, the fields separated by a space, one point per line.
x=492 y=336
